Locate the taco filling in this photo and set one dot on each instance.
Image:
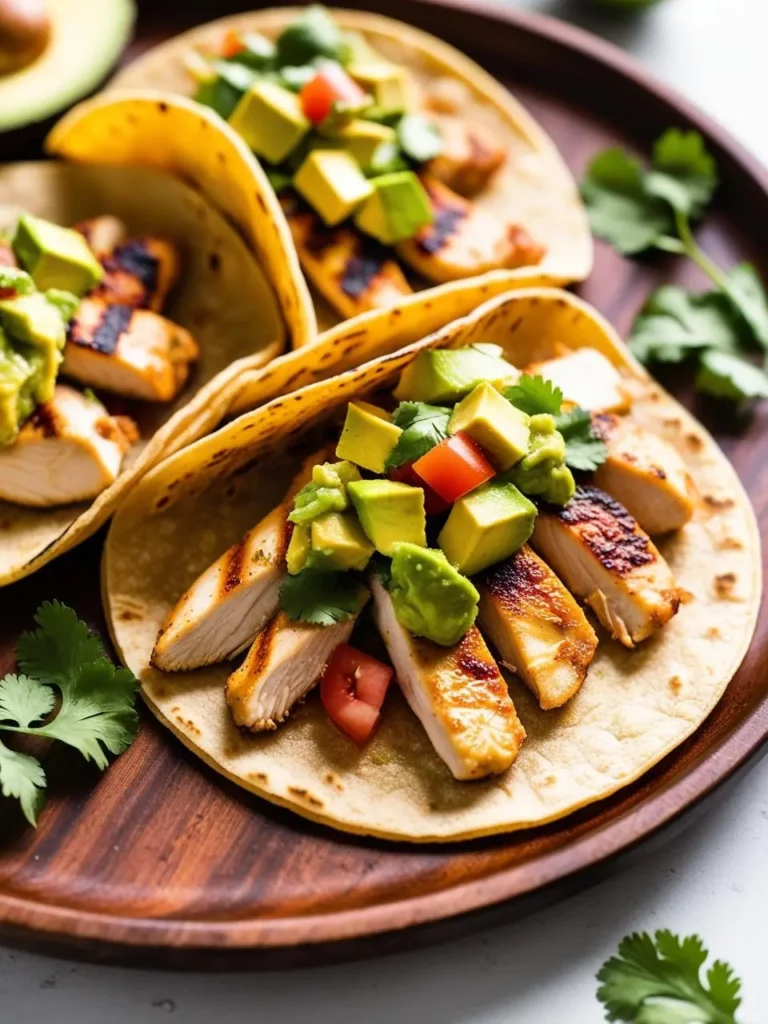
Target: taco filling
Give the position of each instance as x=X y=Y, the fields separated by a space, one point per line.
x=81 y=305
x=460 y=510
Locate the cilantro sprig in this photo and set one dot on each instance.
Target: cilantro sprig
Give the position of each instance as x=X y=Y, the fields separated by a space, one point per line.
x=584 y=450
x=322 y=598
x=638 y=209
x=423 y=426
x=659 y=981
x=67 y=690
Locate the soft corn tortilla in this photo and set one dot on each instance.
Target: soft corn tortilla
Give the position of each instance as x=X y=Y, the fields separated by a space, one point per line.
x=223 y=297
x=534 y=189
x=633 y=709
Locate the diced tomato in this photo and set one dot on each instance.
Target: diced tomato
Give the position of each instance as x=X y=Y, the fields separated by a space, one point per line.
x=231 y=45
x=406 y=474
x=454 y=467
x=353 y=689
x=330 y=85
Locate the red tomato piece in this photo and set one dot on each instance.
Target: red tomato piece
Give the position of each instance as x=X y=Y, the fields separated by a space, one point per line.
x=231 y=45
x=330 y=85
x=455 y=467
x=353 y=689
x=406 y=474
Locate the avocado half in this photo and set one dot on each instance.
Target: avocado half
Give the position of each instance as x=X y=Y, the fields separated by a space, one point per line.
x=87 y=38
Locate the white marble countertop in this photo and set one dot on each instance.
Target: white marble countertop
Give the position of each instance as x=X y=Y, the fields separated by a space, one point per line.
x=713 y=879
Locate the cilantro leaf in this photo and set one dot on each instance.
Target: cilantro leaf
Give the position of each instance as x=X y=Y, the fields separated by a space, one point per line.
x=419 y=138
x=22 y=778
x=584 y=450
x=620 y=209
x=24 y=701
x=744 y=288
x=323 y=598
x=725 y=375
x=684 y=174
x=673 y=323
x=658 y=981
x=423 y=426
x=535 y=395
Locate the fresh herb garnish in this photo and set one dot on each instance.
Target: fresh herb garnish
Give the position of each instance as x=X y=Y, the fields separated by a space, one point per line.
x=419 y=138
x=534 y=395
x=638 y=209
x=424 y=426
x=95 y=715
x=322 y=598
x=658 y=981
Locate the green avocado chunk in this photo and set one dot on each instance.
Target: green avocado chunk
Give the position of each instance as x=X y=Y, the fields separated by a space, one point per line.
x=439 y=376
x=270 y=120
x=314 y=34
x=543 y=472
x=326 y=492
x=55 y=257
x=338 y=543
x=368 y=437
x=387 y=83
x=389 y=512
x=499 y=428
x=331 y=181
x=430 y=597
x=362 y=140
x=397 y=210
x=487 y=526
x=33 y=323
x=19 y=378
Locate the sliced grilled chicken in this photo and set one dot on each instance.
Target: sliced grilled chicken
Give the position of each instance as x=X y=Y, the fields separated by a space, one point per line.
x=352 y=272
x=140 y=273
x=285 y=661
x=536 y=626
x=132 y=352
x=463 y=240
x=469 y=158
x=587 y=378
x=603 y=557
x=234 y=598
x=457 y=693
x=69 y=450
x=645 y=473
x=103 y=234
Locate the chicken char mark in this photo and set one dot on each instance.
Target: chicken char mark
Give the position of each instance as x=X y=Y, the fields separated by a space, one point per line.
x=447 y=217
x=103 y=336
x=608 y=530
x=361 y=269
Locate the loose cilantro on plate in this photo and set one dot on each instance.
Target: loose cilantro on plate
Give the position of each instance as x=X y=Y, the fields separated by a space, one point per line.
x=423 y=426
x=322 y=598
x=658 y=981
x=638 y=209
x=62 y=666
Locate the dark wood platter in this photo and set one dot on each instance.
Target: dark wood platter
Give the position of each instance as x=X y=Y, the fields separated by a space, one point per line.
x=163 y=862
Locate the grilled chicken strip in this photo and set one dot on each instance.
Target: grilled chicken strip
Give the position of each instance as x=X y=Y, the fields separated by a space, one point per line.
x=69 y=450
x=469 y=158
x=463 y=240
x=586 y=378
x=234 y=598
x=103 y=234
x=285 y=661
x=645 y=473
x=132 y=352
x=536 y=626
x=352 y=272
x=457 y=693
x=603 y=557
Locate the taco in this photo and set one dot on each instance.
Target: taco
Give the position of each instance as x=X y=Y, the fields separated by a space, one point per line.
x=126 y=302
x=399 y=163
x=471 y=514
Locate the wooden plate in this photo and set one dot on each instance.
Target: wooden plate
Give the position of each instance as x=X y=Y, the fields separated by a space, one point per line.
x=161 y=861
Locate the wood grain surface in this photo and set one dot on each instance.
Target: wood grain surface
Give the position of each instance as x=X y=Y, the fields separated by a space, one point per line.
x=160 y=861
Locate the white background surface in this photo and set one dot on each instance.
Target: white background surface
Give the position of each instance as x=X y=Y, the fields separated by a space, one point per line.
x=713 y=879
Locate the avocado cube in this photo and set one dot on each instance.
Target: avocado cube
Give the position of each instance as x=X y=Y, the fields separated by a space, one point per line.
x=298 y=549
x=389 y=512
x=271 y=121
x=501 y=430
x=368 y=437
x=398 y=209
x=33 y=319
x=331 y=181
x=447 y=375
x=363 y=138
x=487 y=526
x=338 y=543
x=387 y=83
x=17 y=381
x=55 y=257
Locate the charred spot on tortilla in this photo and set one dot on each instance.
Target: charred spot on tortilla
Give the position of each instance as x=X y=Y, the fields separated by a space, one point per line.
x=114 y=320
x=608 y=530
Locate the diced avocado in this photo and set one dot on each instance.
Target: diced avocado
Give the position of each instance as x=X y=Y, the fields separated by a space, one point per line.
x=362 y=139
x=56 y=257
x=419 y=138
x=298 y=549
x=487 y=526
x=326 y=492
x=430 y=597
x=543 y=472
x=387 y=83
x=314 y=34
x=32 y=318
x=398 y=209
x=270 y=120
x=368 y=437
x=386 y=160
x=338 y=543
x=499 y=428
x=389 y=512
x=223 y=86
x=17 y=387
x=447 y=375
x=331 y=181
